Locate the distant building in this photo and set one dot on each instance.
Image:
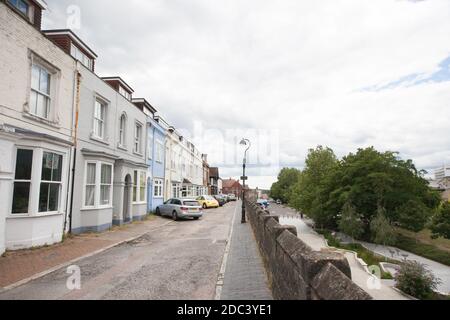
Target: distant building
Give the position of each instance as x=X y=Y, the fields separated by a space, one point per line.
x=231 y=186
x=206 y=181
x=214 y=180
x=442 y=172
x=220 y=186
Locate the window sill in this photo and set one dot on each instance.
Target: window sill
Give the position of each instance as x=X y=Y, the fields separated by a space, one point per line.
x=98 y=139
x=138 y=154
x=123 y=148
x=41 y=120
x=36 y=216
x=139 y=203
x=96 y=208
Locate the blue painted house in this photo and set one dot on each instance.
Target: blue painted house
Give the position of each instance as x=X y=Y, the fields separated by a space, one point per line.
x=155 y=156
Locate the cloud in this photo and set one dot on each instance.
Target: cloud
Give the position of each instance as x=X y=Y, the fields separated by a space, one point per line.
x=292 y=66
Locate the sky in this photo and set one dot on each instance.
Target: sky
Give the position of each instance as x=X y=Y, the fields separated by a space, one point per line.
x=287 y=75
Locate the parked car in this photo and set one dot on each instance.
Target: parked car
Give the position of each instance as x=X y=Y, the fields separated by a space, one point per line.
x=207 y=202
x=232 y=197
x=279 y=202
x=180 y=209
x=222 y=201
x=264 y=204
x=225 y=197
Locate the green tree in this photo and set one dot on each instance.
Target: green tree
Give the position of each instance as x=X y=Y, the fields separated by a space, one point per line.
x=287 y=178
x=440 y=226
x=413 y=215
x=382 y=230
x=350 y=222
x=307 y=194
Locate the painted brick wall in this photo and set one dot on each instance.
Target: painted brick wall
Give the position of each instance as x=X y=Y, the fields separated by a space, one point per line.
x=17 y=38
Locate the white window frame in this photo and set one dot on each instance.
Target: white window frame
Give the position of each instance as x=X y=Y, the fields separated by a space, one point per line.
x=98 y=184
x=60 y=183
x=158 y=187
x=36 y=180
x=81 y=56
x=30 y=181
x=102 y=122
x=159 y=151
x=138 y=175
x=137 y=147
x=123 y=131
x=37 y=91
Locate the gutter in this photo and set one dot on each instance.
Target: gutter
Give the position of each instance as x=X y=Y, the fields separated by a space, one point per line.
x=75 y=148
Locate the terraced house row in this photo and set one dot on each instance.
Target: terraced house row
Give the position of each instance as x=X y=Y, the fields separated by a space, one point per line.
x=79 y=152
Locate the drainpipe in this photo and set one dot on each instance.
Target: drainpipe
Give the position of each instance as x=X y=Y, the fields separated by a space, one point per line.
x=77 y=115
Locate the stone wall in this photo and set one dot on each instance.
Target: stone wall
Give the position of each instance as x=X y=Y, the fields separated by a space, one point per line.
x=295 y=271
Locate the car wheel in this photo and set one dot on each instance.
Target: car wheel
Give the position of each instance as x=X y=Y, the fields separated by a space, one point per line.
x=158 y=212
x=175 y=216
x=205 y=206
x=196 y=218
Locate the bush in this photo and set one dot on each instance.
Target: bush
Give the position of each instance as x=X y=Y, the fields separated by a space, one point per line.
x=416 y=280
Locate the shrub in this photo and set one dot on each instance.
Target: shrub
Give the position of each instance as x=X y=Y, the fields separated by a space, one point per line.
x=416 y=280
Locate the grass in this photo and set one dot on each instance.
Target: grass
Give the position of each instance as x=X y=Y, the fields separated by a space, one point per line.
x=419 y=248
x=367 y=256
x=425 y=238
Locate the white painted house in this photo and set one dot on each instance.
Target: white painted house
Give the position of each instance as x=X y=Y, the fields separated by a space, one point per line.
x=36 y=115
x=110 y=176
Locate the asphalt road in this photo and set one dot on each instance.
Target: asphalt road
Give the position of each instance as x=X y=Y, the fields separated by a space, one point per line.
x=179 y=261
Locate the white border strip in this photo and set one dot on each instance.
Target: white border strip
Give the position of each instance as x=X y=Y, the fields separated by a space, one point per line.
x=220 y=279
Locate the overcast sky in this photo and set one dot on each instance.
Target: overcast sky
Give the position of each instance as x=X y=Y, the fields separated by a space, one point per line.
x=296 y=74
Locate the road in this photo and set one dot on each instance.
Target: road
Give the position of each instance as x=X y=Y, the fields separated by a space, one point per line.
x=179 y=262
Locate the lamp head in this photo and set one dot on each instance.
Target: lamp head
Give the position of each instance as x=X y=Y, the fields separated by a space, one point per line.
x=243 y=142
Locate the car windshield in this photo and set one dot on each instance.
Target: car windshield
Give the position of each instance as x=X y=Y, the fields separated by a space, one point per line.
x=209 y=198
x=191 y=203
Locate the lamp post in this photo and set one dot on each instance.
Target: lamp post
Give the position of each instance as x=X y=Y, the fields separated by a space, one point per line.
x=244 y=142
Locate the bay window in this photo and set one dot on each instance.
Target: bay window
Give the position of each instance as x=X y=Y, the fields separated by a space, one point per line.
x=139 y=186
x=51 y=182
x=22 y=181
x=98 y=184
x=38 y=182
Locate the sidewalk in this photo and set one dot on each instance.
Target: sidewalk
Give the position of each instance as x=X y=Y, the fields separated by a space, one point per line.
x=245 y=276
x=19 y=266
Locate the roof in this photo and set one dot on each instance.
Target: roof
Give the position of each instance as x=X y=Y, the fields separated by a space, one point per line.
x=42 y=4
x=229 y=183
x=214 y=172
x=120 y=80
x=145 y=104
x=73 y=37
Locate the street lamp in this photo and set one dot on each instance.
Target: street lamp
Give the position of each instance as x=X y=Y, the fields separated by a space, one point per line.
x=244 y=142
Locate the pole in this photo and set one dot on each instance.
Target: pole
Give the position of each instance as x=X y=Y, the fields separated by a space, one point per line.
x=243 y=193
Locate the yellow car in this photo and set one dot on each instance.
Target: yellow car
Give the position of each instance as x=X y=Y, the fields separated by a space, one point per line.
x=208 y=202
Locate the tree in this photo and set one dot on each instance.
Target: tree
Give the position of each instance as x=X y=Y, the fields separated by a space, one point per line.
x=307 y=194
x=413 y=215
x=287 y=178
x=350 y=222
x=440 y=226
x=382 y=230
x=416 y=280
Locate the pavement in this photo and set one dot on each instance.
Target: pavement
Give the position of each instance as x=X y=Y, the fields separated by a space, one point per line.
x=379 y=291
x=245 y=277
x=440 y=270
x=154 y=260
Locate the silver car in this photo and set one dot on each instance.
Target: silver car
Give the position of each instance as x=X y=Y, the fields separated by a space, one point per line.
x=180 y=209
